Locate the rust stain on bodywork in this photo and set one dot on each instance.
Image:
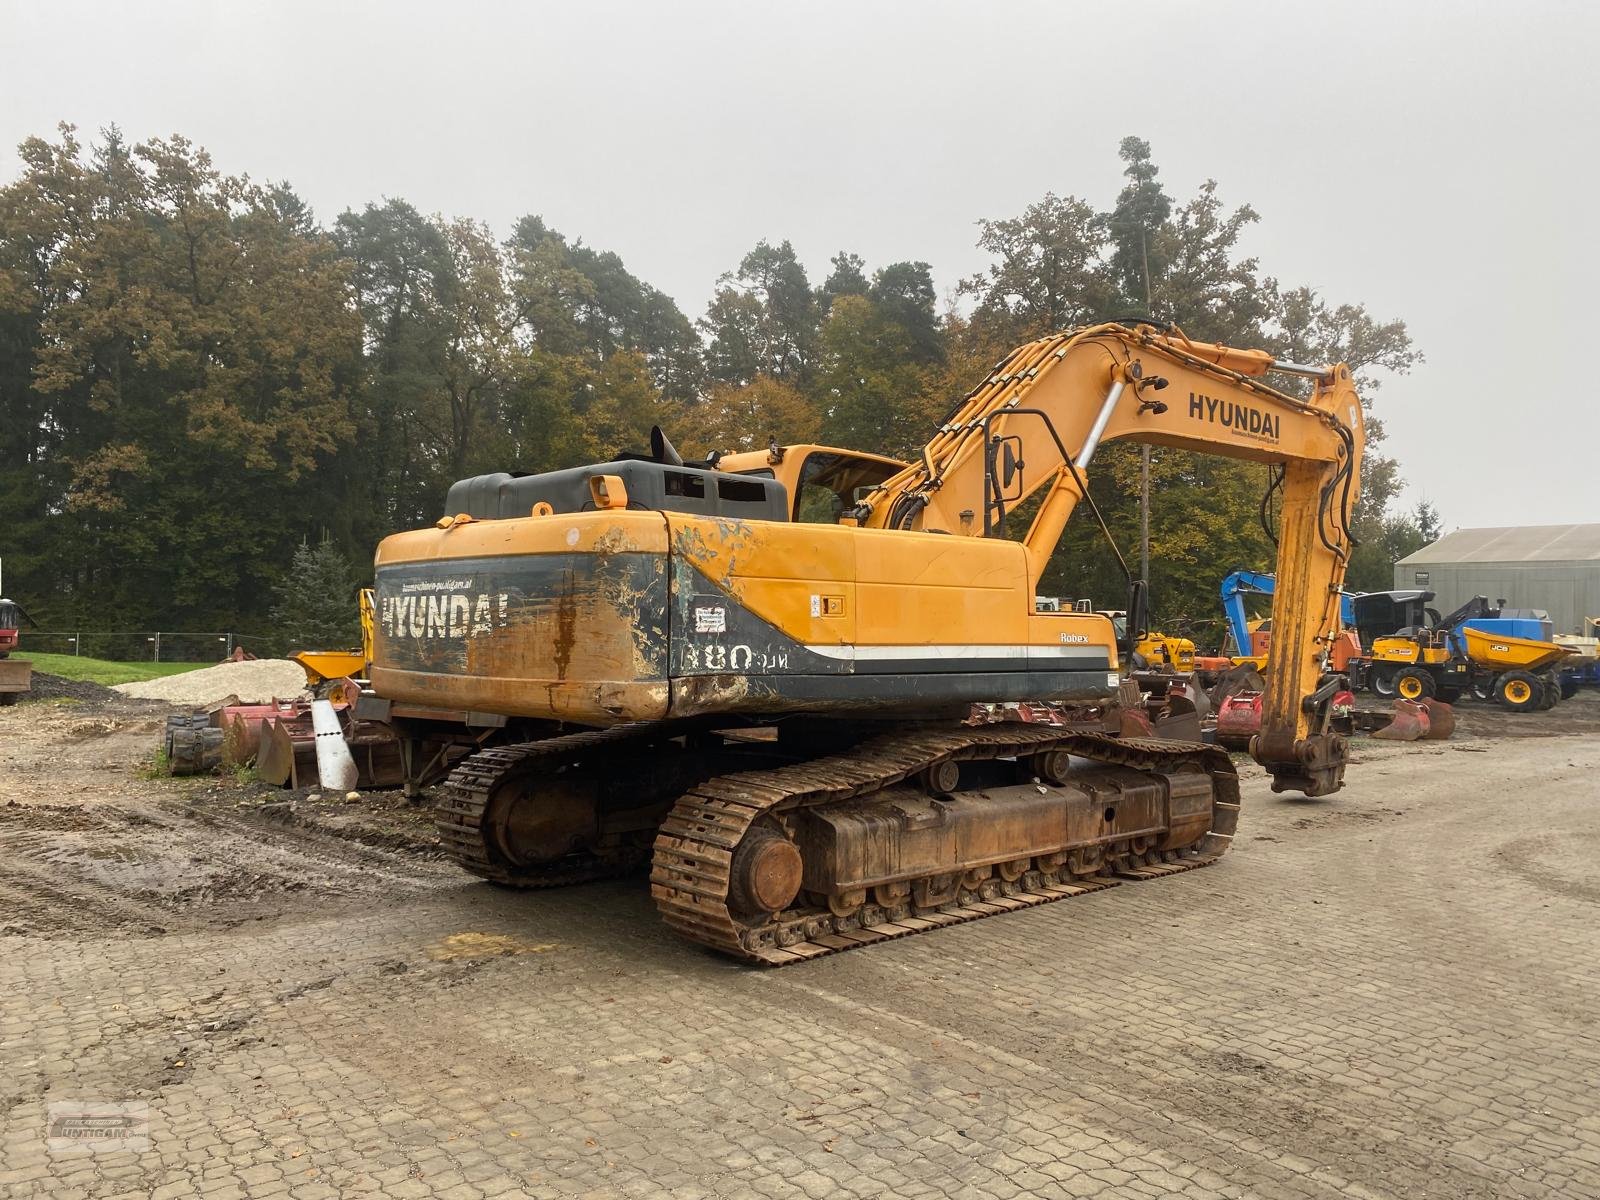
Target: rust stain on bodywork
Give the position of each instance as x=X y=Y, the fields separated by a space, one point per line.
x=573 y=636
x=566 y=624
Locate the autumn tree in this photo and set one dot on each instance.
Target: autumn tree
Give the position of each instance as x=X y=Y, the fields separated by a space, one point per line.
x=1136 y=227
x=184 y=336
x=402 y=274
x=752 y=415
x=876 y=366
x=848 y=278
x=1049 y=272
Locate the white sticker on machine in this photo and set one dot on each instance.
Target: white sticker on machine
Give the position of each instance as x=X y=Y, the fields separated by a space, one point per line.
x=816 y=606
x=711 y=620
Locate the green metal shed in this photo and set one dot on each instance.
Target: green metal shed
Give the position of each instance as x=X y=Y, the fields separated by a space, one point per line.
x=1553 y=567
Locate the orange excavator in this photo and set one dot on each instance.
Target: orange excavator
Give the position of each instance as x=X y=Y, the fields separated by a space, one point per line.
x=757 y=673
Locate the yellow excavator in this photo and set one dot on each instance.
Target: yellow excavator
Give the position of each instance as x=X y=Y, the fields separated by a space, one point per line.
x=759 y=673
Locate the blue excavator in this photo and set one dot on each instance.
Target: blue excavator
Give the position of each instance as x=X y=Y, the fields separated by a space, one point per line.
x=1250 y=645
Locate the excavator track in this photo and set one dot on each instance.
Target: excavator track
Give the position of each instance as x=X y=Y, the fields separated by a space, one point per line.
x=693 y=872
x=464 y=797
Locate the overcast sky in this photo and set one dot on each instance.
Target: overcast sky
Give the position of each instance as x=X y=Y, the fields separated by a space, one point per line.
x=1435 y=162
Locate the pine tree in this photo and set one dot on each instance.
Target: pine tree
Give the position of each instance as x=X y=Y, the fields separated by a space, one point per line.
x=317 y=606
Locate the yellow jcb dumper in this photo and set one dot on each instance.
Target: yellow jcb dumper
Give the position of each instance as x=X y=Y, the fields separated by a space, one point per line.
x=755 y=672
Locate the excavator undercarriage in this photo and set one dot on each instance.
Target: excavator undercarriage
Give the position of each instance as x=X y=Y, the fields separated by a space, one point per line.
x=775 y=856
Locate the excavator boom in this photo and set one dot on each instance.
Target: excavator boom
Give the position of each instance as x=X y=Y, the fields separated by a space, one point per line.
x=1036 y=423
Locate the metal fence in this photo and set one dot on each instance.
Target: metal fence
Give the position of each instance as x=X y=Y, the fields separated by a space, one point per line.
x=137 y=645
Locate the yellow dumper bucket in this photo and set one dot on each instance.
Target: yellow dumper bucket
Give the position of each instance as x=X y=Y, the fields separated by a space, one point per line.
x=1501 y=653
x=322 y=665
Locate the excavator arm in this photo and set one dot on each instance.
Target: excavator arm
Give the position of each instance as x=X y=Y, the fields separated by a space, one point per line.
x=1035 y=425
x=1235 y=588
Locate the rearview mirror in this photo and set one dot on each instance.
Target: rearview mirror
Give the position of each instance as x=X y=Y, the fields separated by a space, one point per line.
x=1010 y=464
x=1138 y=617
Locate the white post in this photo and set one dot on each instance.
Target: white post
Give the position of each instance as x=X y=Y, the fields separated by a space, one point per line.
x=336 y=768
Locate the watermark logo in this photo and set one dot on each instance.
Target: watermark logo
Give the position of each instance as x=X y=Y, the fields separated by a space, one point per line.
x=97 y=1127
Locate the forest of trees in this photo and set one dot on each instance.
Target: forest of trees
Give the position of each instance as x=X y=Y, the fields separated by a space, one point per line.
x=199 y=378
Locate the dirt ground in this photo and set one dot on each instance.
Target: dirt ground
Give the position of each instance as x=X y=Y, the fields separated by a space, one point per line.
x=1387 y=993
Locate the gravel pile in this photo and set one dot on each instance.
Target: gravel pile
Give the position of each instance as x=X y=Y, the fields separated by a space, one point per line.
x=254 y=682
x=54 y=687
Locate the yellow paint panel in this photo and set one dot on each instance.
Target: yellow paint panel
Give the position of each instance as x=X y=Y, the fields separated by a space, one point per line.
x=1394 y=650
x=921 y=588
x=590 y=532
x=774 y=570
x=897 y=588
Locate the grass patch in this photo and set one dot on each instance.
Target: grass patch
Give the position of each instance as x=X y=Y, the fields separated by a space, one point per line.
x=103 y=671
x=156 y=766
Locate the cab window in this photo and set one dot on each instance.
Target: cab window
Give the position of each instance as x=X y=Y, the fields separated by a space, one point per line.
x=828 y=485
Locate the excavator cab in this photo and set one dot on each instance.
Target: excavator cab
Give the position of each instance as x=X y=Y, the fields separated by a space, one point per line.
x=824 y=482
x=1393 y=614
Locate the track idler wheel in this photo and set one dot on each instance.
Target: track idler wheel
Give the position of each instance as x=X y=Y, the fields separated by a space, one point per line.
x=526 y=826
x=766 y=871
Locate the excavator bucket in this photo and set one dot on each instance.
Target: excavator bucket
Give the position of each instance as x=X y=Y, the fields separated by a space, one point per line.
x=1241 y=678
x=1410 y=723
x=1136 y=723
x=1199 y=697
x=1177 y=719
x=1441 y=719
x=241 y=740
x=288 y=751
x=1239 y=719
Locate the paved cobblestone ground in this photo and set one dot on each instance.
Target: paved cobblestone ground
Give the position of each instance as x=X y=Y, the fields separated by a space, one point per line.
x=1391 y=993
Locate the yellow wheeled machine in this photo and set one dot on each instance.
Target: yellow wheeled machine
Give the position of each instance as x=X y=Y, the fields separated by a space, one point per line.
x=1471 y=648
x=756 y=673
x=1523 y=670
x=1160 y=651
x=1414 y=668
